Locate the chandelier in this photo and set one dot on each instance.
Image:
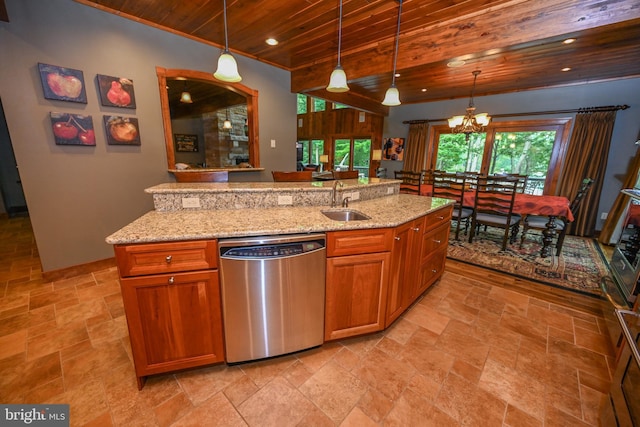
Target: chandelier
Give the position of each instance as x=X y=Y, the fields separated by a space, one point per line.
x=470 y=122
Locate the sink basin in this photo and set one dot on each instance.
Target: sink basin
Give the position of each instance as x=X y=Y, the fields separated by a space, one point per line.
x=345 y=215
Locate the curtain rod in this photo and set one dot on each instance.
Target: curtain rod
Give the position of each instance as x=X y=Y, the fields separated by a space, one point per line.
x=536 y=113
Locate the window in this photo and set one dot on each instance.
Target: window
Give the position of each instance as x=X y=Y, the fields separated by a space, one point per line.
x=319 y=104
x=352 y=154
x=302 y=103
x=533 y=148
x=309 y=151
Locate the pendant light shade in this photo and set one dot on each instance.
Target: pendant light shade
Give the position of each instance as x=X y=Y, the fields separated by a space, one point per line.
x=227 y=123
x=227 y=67
x=392 y=97
x=338 y=79
x=185 y=96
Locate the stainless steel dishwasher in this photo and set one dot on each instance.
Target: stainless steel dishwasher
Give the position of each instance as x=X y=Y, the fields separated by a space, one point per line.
x=272 y=294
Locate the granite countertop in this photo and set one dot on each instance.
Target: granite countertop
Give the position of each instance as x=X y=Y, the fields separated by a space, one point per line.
x=156 y=226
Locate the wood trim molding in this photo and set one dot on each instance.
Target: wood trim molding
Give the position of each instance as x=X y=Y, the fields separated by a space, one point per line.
x=65 y=273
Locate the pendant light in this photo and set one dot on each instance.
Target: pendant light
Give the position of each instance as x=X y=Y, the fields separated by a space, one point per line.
x=392 y=97
x=227 y=67
x=185 y=97
x=227 y=123
x=338 y=79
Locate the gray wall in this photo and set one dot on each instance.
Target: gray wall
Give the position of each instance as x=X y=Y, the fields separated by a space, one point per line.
x=625 y=132
x=78 y=195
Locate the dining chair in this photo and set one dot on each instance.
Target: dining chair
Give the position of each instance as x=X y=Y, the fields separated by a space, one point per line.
x=381 y=172
x=202 y=176
x=451 y=185
x=493 y=207
x=411 y=181
x=539 y=222
x=298 y=176
x=521 y=178
x=345 y=174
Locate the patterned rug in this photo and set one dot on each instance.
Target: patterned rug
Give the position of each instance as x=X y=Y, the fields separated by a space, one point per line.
x=578 y=268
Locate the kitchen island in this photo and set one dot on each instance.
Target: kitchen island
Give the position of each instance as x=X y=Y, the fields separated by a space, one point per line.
x=168 y=259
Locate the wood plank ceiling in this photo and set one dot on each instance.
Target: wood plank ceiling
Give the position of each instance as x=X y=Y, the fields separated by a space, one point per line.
x=517 y=44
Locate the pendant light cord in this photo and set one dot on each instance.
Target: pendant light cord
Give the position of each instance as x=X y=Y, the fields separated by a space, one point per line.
x=339 y=33
x=226 y=36
x=473 y=88
x=395 y=55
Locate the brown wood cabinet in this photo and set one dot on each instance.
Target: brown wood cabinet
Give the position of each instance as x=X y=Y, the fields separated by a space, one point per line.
x=417 y=260
x=171 y=298
x=356 y=282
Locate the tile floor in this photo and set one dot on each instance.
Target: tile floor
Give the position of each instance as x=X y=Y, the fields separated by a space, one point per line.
x=468 y=354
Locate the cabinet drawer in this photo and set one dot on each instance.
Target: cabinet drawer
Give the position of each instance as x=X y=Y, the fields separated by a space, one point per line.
x=432 y=269
x=435 y=239
x=158 y=258
x=356 y=242
x=434 y=219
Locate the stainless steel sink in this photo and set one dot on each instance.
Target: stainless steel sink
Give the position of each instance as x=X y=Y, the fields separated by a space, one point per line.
x=345 y=215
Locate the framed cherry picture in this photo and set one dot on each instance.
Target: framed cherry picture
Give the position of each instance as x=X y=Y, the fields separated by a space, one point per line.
x=62 y=84
x=116 y=92
x=72 y=129
x=122 y=130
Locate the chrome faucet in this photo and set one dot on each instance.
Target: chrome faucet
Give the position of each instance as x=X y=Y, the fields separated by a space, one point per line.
x=345 y=202
x=333 y=192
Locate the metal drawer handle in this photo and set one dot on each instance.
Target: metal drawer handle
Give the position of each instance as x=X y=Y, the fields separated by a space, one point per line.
x=171 y=280
x=416 y=229
x=396 y=238
x=440 y=217
x=434 y=271
x=437 y=241
x=168 y=259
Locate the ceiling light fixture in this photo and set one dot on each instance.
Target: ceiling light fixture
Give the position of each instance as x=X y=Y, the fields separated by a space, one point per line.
x=470 y=122
x=271 y=41
x=227 y=66
x=392 y=97
x=338 y=79
x=227 y=123
x=185 y=97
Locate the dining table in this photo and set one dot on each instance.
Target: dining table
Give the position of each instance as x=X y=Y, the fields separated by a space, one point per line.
x=529 y=204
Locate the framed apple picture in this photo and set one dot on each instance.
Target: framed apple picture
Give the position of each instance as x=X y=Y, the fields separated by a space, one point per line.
x=116 y=92
x=62 y=84
x=72 y=129
x=122 y=130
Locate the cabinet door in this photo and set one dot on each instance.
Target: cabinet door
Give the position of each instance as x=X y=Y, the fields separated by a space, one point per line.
x=355 y=295
x=432 y=269
x=174 y=321
x=398 y=293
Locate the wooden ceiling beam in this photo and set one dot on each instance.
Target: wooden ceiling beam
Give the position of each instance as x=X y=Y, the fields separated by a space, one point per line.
x=499 y=28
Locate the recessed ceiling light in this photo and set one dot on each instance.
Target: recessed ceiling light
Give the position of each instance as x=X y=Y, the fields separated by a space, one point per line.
x=271 y=41
x=397 y=74
x=569 y=41
x=181 y=78
x=424 y=89
x=456 y=63
x=566 y=69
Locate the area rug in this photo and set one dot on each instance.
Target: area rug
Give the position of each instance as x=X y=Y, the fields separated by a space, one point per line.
x=578 y=268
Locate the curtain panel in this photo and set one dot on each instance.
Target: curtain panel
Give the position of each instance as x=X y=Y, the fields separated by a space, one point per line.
x=587 y=158
x=415 y=153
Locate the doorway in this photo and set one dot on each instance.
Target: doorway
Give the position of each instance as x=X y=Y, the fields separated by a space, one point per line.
x=10 y=183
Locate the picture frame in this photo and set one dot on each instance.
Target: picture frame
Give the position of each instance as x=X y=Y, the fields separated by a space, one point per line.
x=393 y=149
x=62 y=84
x=116 y=91
x=122 y=130
x=186 y=143
x=72 y=129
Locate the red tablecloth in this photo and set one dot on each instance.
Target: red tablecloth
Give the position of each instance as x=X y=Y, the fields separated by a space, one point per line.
x=525 y=204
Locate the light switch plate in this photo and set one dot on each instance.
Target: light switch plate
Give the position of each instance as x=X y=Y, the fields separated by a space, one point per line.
x=355 y=195
x=273 y=143
x=390 y=190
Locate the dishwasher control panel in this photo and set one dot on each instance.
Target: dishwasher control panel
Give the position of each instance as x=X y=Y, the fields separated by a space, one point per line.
x=271 y=251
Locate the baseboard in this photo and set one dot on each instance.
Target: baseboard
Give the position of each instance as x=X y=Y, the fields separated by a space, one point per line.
x=65 y=273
